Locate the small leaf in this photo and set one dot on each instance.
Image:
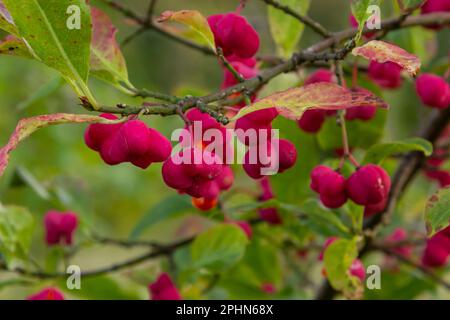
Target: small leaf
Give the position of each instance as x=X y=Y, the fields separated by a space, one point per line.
x=194 y=20
x=43 y=24
x=27 y=126
x=382 y=52
x=361 y=13
x=16 y=231
x=168 y=208
x=293 y=102
x=107 y=62
x=219 y=247
x=377 y=153
x=6 y=21
x=338 y=259
x=437 y=211
x=13 y=46
x=286 y=30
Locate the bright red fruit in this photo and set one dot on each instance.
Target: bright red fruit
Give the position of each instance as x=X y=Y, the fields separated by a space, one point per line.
x=204 y=204
x=369 y=185
x=321 y=75
x=387 y=75
x=245 y=71
x=330 y=185
x=96 y=134
x=364 y=113
x=204 y=179
x=396 y=236
x=131 y=141
x=312 y=120
x=437 y=250
x=60 y=227
x=431 y=6
x=268 y=288
x=285 y=158
x=164 y=289
x=47 y=294
x=234 y=34
x=269 y=215
x=441 y=176
x=255 y=126
x=357 y=269
x=433 y=91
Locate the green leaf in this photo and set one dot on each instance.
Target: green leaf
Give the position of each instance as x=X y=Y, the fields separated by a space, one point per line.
x=338 y=259
x=361 y=134
x=103 y=288
x=219 y=247
x=261 y=265
x=356 y=214
x=107 y=62
x=44 y=25
x=286 y=30
x=16 y=231
x=361 y=14
x=168 y=208
x=13 y=46
x=292 y=103
x=437 y=211
x=296 y=190
x=27 y=126
x=194 y=20
x=323 y=221
x=377 y=153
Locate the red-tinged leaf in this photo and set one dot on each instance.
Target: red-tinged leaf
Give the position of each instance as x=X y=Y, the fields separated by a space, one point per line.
x=14 y=46
x=27 y=126
x=107 y=61
x=194 y=20
x=382 y=52
x=293 y=102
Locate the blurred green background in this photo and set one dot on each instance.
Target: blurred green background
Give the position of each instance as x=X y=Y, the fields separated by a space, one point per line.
x=54 y=168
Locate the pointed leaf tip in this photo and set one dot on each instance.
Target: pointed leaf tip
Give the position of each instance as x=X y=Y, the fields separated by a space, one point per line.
x=382 y=52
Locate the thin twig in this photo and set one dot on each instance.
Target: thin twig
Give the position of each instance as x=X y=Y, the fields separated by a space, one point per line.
x=163 y=250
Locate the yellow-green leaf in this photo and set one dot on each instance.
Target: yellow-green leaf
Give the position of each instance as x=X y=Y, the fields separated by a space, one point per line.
x=286 y=30
x=50 y=28
x=194 y=20
x=437 y=211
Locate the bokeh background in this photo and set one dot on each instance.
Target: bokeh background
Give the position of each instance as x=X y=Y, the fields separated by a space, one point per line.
x=55 y=170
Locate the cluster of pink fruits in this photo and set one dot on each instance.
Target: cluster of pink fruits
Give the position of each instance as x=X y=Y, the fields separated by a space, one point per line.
x=131 y=141
x=368 y=186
